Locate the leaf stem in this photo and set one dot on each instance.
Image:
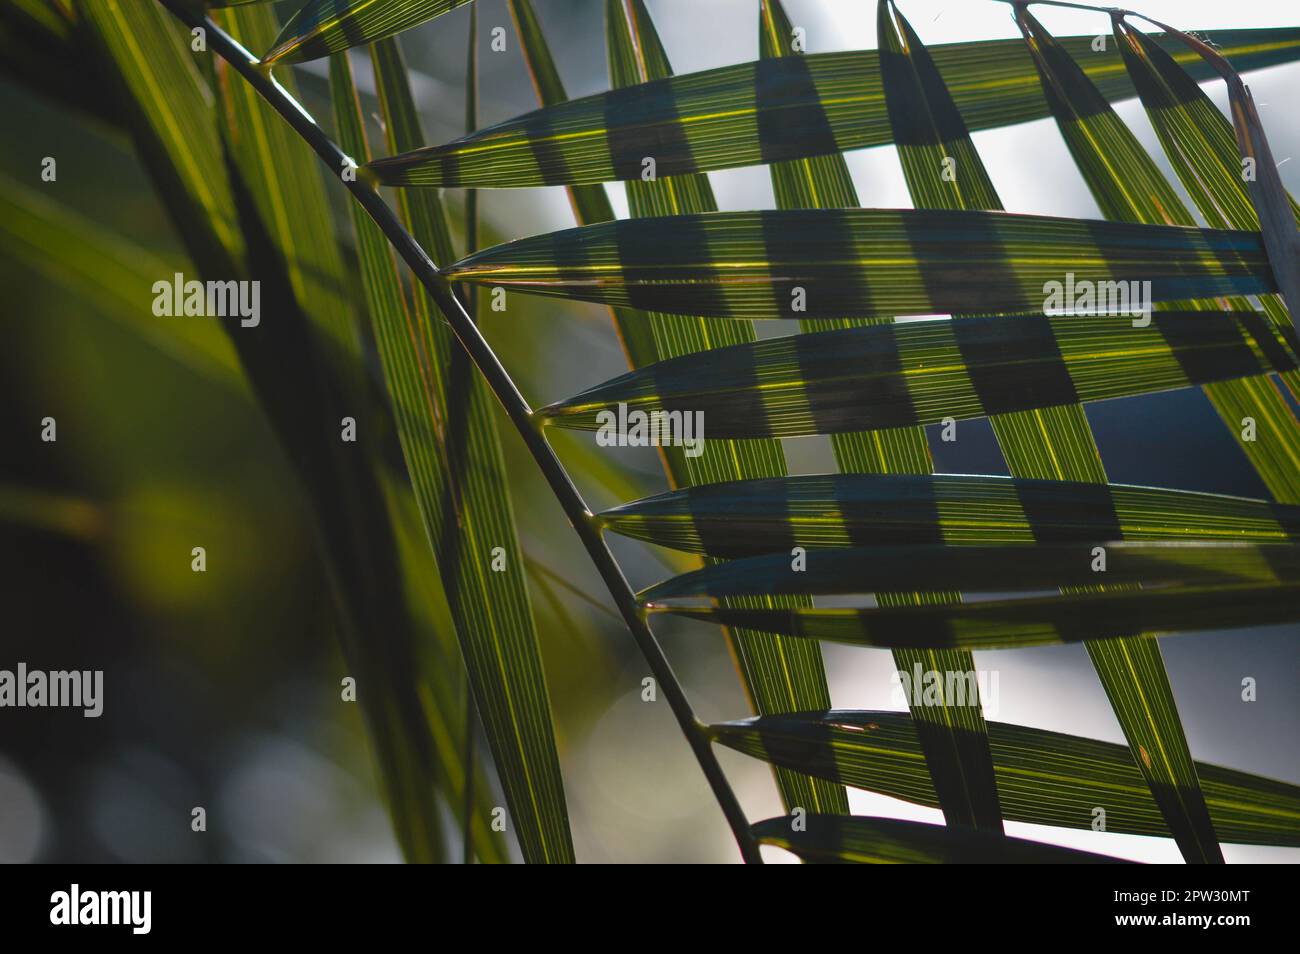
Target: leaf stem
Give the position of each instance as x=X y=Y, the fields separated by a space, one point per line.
x=503 y=386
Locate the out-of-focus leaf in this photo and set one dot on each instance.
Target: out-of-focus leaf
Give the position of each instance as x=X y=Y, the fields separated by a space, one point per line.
x=861 y=262
x=112 y=274
x=41 y=47
x=919 y=372
x=284 y=181
x=299 y=377
x=173 y=122
x=454 y=458
x=769 y=111
x=1044 y=778
x=322 y=27
x=751 y=517
x=61 y=514
x=857 y=839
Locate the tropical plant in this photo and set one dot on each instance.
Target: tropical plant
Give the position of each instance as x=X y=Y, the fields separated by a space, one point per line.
x=878 y=555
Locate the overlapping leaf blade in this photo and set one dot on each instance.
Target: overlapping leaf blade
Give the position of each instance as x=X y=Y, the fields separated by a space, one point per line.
x=987 y=568
x=864 y=262
x=453 y=455
x=1199 y=143
x=780 y=675
x=285 y=183
x=944 y=170
x=858 y=839
x=952 y=734
x=769 y=111
x=1045 y=778
x=322 y=27
x=1198 y=586
x=1128 y=187
x=901 y=375
x=1019 y=623
x=749 y=518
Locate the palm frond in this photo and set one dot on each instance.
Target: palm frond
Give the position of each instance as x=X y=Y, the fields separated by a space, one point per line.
x=453 y=455
x=864 y=262
x=1044 y=778
x=768 y=111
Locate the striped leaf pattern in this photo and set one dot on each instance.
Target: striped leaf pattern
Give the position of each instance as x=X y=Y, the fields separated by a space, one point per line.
x=900 y=375
x=754 y=517
x=952 y=734
x=1045 y=778
x=322 y=27
x=779 y=674
x=867 y=262
x=454 y=458
x=771 y=110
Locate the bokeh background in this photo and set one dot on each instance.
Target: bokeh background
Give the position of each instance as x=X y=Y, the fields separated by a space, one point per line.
x=222 y=688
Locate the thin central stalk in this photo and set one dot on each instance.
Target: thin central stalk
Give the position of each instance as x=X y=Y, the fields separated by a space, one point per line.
x=503 y=386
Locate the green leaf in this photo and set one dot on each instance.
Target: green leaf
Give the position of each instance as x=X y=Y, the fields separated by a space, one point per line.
x=992 y=569
x=453 y=455
x=1020 y=623
x=590 y=202
x=1273 y=207
x=1197 y=138
x=812 y=182
x=943 y=170
x=864 y=262
x=1199 y=143
x=322 y=27
x=170 y=110
x=286 y=184
x=751 y=517
x=797 y=676
x=916 y=373
x=779 y=675
x=783 y=672
x=857 y=839
x=442 y=678
x=1044 y=778
x=1129 y=187
x=769 y=111
x=953 y=735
